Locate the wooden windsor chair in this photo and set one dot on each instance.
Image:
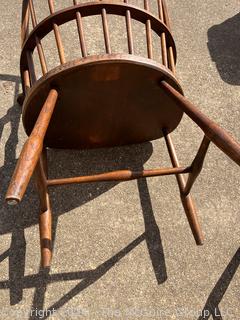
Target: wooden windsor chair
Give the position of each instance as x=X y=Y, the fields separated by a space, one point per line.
x=104 y=100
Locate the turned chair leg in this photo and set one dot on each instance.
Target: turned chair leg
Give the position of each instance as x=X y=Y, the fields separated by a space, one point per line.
x=187 y=200
x=31 y=151
x=45 y=217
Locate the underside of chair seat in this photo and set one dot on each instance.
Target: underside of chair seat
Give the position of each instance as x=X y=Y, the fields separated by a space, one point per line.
x=107 y=100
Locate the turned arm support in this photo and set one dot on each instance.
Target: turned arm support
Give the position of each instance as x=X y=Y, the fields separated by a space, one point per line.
x=31 y=151
x=220 y=137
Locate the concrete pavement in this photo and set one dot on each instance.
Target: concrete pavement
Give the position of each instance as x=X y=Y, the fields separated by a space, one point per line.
x=125 y=250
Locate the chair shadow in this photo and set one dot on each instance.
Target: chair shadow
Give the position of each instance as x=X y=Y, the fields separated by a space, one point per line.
x=11 y=217
x=224 y=48
x=15 y=219
x=211 y=307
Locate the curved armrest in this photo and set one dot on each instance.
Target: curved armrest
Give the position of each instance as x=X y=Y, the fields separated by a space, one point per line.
x=220 y=137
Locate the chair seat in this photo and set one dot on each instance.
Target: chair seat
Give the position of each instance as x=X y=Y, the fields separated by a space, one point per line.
x=104 y=101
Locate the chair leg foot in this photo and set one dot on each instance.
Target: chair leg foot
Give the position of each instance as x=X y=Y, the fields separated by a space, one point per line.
x=45 y=229
x=45 y=217
x=190 y=210
x=187 y=200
